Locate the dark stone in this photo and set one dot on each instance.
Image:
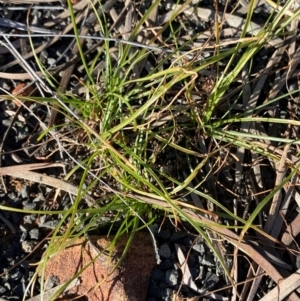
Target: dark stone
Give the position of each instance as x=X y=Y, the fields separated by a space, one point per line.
x=172 y=277
x=23 y=236
x=192 y=261
x=15 y=275
x=211 y=280
x=164 y=251
x=208 y=260
x=187 y=241
x=2 y=290
x=194 y=272
x=154 y=290
x=18 y=290
x=165 y=265
x=157 y=274
x=165 y=234
x=177 y=236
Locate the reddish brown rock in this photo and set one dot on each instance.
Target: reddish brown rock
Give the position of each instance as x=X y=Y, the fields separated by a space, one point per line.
x=128 y=282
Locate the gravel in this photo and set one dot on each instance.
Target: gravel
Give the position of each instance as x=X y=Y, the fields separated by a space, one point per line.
x=164 y=251
x=166 y=279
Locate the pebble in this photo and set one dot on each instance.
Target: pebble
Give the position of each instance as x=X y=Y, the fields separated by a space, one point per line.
x=16 y=275
x=2 y=290
x=28 y=219
x=23 y=236
x=172 y=277
x=177 y=236
x=164 y=251
x=28 y=205
x=192 y=260
x=154 y=290
x=211 y=280
x=50 y=224
x=157 y=274
x=34 y=234
x=165 y=265
x=165 y=234
x=194 y=272
x=51 y=61
x=199 y=248
x=28 y=246
x=18 y=290
x=208 y=260
x=187 y=241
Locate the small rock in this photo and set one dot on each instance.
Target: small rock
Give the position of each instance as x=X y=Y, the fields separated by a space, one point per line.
x=22 y=228
x=42 y=220
x=154 y=228
x=2 y=290
x=50 y=224
x=154 y=290
x=157 y=274
x=211 y=280
x=199 y=248
x=18 y=290
x=165 y=234
x=208 y=260
x=165 y=265
x=177 y=236
x=28 y=246
x=51 y=61
x=192 y=260
x=34 y=234
x=23 y=236
x=187 y=241
x=28 y=219
x=28 y=205
x=165 y=251
x=16 y=275
x=38 y=198
x=194 y=272
x=172 y=277
x=199 y=259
